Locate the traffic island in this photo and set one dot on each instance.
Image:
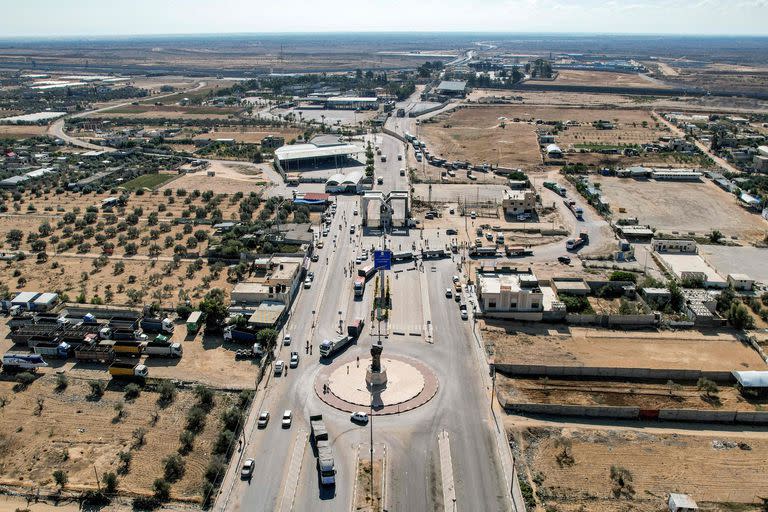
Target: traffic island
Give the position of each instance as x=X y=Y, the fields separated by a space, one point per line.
x=369 y=488
x=409 y=384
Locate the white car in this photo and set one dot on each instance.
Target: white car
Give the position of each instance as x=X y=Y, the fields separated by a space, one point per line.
x=448 y=293
x=464 y=314
x=279 y=367
x=307 y=283
x=287 y=339
x=358 y=260
x=287 y=417
x=359 y=417
x=263 y=419
x=247 y=471
x=456 y=279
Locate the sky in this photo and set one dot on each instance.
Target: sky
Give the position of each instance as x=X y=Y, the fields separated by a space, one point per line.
x=144 y=17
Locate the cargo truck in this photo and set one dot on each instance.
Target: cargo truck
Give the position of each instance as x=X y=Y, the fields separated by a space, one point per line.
x=59 y=350
x=95 y=353
x=128 y=347
x=194 y=321
x=122 y=369
x=325 y=463
x=233 y=334
x=355 y=328
x=164 y=349
x=359 y=286
x=578 y=212
x=575 y=243
x=330 y=347
x=161 y=325
x=557 y=189
x=109 y=333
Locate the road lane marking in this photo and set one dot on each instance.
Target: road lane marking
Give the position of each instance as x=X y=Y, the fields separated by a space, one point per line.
x=292 y=480
x=446 y=471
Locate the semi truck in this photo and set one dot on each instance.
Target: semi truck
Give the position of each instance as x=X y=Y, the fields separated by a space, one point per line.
x=578 y=212
x=19 y=361
x=554 y=187
x=325 y=463
x=122 y=369
x=164 y=349
x=355 y=328
x=237 y=335
x=162 y=325
x=575 y=243
x=330 y=347
x=366 y=271
x=95 y=353
x=119 y=334
x=59 y=350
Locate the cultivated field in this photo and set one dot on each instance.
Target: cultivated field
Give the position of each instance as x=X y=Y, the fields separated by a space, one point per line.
x=681 y=207
x=714 y=469
x=515 y=344
x=44 y=429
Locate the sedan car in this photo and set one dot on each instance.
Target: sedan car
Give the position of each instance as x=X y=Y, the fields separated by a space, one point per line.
x=294 y=359
x=247 y=471
x=451 y=231
x=448 y=293
x=263 y=419
x=564 y=259
x=307 y=283
x=287 y=418
x=464 y=314
x=359 y=417
x=279 y=367
x=287 y=339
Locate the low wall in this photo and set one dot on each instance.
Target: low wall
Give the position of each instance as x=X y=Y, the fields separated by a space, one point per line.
x=611 y=372
x=633 y=413
x=612 y=320
x=393 y=134
x=428 y=110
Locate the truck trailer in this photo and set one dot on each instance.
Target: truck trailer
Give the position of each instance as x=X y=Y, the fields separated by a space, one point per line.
x=157 y=325
x=122 y=369
x=95 y=353
x=58 y=350
x=325 y=463
x=330 y=347
x=163 y=349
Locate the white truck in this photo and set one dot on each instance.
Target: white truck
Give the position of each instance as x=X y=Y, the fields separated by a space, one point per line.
x=22 y=361
x=325 y=463
x=330 y=347
x=164 y=349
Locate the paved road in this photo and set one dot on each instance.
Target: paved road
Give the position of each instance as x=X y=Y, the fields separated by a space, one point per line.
x=56 y=129
x=461 y=406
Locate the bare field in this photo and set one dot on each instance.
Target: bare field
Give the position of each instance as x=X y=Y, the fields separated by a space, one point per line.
x=619 y=394
x=476 y=135
x=714 y=469
x=253 y=137
x=229 y=178
x=146 y=111
x=516 y=344
x=683 y=207
x=21 y=131
x=603 y=79
x=44 y=429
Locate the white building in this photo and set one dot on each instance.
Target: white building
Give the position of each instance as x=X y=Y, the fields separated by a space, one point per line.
x=741 y=282
x=516 y=202
x=681 y=503
x=684 y=246
x=554 y=151
x=507 y=290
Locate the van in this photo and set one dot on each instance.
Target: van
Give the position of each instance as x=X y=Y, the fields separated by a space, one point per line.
x=402 y=172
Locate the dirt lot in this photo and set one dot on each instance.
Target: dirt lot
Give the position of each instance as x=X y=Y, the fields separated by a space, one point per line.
x=476 y=135
x=229 y=178
x=77 y=433
x=619 y=394
x=620 y=349
x=21 y=131
x=603 y=79
x=147 y=111
x=713 y=469
x=681 y=207
x=250 y=136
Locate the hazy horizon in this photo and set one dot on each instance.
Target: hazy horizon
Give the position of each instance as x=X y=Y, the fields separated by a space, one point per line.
x=37 y=19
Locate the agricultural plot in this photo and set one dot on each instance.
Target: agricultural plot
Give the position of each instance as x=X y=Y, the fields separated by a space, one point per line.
x=619 y=470
x=681 y=207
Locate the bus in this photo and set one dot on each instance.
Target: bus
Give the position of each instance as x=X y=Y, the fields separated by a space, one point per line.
x=367 y=271
x=359 y=286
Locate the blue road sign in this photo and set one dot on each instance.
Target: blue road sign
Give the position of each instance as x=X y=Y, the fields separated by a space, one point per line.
x=382 y=260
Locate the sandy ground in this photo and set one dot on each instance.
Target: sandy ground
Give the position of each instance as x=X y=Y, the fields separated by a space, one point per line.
x=229 y=178
x=21 y=131
x=76 y=434
x=619 y=349
x=709 y=468
x=245 y=135
x=602 y=79
x=683 y=207
x=476 y=135
x=611 y=393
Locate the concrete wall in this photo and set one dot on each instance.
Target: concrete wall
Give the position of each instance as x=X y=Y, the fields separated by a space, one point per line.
x=393 y=134
x=610 y=372
x=598 y=411
x=419 y=113
x=612 y=320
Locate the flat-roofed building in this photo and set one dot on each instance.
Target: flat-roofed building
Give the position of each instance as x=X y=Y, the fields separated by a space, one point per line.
x=675 y=246
x=452 y=88
x=309 y=156
x=510 y=292
x=516 y=202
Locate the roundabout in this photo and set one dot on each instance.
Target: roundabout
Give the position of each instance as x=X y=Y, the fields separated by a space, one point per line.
x=403 y=385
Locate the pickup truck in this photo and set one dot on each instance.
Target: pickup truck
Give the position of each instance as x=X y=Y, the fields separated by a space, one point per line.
x=120 y=369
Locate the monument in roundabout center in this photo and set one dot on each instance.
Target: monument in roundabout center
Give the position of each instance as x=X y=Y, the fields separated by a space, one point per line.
x=376 y=376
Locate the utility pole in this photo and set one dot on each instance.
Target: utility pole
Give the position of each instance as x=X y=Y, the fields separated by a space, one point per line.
x=371 y=421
